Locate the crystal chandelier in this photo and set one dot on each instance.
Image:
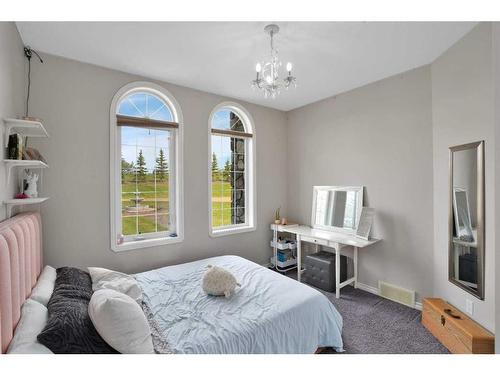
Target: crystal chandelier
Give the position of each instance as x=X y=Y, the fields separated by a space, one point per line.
x=267 y=72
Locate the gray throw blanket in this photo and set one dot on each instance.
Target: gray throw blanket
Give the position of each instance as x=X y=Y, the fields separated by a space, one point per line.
x=160 y=345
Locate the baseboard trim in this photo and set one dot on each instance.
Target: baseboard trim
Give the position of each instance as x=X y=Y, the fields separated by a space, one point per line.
x=374 y=290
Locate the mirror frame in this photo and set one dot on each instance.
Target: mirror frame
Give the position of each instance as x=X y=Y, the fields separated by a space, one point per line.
x=358 y=189
x=479 y=147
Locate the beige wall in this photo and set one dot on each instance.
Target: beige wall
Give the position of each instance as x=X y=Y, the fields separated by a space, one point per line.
x=462 y=111
x=74 y=100
x=379 y=136
x=12 y=82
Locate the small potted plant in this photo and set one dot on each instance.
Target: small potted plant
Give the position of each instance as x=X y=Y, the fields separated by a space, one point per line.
x=277 y=218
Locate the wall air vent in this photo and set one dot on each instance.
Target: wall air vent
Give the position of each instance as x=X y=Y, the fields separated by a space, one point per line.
x=397 y=294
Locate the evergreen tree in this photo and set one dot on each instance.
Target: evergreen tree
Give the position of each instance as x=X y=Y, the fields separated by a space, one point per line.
x=226 y=174
x=141 y=167
x=161 y=165
x=215 y=167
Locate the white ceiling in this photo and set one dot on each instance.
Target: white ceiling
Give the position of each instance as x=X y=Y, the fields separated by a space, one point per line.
x=219 y=57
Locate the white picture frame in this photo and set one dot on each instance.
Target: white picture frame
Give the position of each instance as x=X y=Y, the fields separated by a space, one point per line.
x=365 y=223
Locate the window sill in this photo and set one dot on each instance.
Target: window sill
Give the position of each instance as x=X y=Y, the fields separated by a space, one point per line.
x=134 y=245
x=229 y=231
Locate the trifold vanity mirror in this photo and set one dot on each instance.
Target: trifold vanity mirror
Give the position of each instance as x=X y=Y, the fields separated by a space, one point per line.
x=466 y=218
x=337 y=208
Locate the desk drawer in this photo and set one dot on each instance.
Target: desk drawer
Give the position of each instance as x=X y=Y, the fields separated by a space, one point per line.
x=316 y=241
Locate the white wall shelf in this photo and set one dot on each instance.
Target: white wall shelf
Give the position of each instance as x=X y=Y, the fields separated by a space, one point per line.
x=26 y=164
x=26 y=128
x=10 y=203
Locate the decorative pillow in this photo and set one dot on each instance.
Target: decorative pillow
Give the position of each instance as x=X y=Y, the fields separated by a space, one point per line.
x=34 y=315
x=121 y=322
x=74 y=278
x=44 y=286
x=103 y=278
x=219 y=282
x=69 y=328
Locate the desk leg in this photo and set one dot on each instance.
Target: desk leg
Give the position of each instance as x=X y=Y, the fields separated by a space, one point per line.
x=299 y=257
x=355 y=267
x=337 y=271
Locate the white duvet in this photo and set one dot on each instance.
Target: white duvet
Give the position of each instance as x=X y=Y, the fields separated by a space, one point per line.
x=269 y=313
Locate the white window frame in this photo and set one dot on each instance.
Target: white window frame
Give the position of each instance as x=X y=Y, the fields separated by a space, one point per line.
x=115 y=170
x=250 y=178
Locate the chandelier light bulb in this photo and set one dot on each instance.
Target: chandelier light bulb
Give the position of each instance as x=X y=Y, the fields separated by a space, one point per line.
x=258 y=68
x=289 y=67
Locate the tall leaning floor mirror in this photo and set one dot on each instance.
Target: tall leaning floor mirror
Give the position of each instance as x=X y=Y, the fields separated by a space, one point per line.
x=466 y=218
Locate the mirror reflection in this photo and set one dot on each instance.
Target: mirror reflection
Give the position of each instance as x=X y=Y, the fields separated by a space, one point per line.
x=465 y=263
x=336 y=207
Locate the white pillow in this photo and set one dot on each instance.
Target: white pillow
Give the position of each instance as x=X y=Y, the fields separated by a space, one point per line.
x=34 y=317
x=103 y=278
x=44 y=286
x=219 y=282
x=121 y=322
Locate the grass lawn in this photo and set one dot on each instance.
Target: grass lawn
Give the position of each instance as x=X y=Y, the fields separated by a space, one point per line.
x=221 y=203
x=132 y=224
x=146 y=224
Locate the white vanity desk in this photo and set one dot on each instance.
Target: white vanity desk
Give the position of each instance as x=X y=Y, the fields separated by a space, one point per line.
x=333 y=240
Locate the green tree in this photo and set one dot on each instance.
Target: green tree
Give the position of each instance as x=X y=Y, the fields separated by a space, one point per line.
x=161 y=165
x=226 y=173
x=141 y=166
x=126 y=168
x=215 y=167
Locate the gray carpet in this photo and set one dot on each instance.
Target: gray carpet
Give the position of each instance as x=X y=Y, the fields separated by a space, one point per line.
x=375 y=325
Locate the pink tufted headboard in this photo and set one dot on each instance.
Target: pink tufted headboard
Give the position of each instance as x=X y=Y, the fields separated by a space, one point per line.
x=20 y=266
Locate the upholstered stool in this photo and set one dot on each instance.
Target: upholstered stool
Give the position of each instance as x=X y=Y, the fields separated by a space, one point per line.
x=320 y=270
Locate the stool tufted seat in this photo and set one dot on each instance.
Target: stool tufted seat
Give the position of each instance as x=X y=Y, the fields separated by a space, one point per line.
x=320 y=270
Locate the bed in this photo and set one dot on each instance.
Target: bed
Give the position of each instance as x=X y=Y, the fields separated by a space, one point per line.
x=269 y=313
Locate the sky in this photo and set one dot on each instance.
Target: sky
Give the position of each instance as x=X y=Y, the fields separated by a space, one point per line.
x=142 y=104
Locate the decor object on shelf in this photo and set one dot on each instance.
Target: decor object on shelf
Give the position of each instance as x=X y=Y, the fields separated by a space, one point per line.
x=15 y=147
x=284 y=221
x=219 y=282
x=277 y=219
x=28 y=52
x=31 y=185
x=267 y=78
x=21 y=196
x=30 y=153
x=365 y=223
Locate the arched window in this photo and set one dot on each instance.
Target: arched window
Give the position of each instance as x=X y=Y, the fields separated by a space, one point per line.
x=146 y=201
x=231 y=170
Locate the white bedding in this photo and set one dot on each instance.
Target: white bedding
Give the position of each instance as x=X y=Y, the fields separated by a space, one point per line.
x=270 y=313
